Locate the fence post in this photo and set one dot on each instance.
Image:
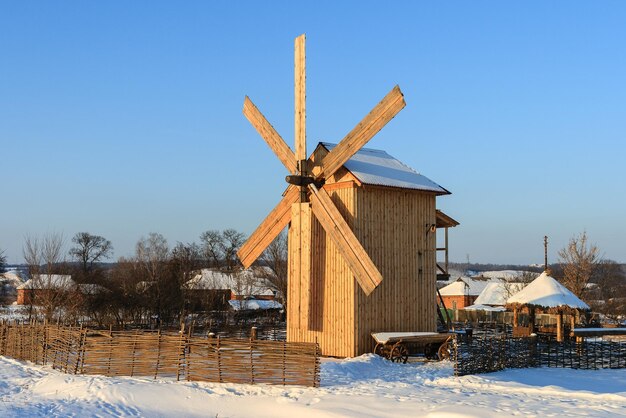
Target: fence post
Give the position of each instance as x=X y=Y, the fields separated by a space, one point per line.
x=80 y=359
x=110 y=350
x=156 y=369
x=252 y=355
x=181 y=350
x=534 y=353
x=132 y=359
x=219 y=360
x=285 y=360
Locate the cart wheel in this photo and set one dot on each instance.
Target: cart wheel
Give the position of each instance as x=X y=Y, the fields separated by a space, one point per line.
x=399 y=354
x=379 y=349
x=444 y=351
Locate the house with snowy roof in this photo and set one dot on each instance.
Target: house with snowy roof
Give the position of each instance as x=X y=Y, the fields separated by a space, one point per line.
x=41 y=284
x=210 y=287
x=494 y=296
x=463 y=292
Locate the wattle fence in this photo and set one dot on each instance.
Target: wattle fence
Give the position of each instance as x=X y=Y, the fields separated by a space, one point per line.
x=162 y=355
x=490 y=353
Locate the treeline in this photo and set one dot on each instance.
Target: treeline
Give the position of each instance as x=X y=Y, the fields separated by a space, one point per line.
x=147 y=287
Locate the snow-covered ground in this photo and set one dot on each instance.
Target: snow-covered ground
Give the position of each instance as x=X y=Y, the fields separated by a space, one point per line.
x=366 y=386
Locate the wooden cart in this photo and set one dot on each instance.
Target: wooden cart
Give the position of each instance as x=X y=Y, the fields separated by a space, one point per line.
x=397 y=346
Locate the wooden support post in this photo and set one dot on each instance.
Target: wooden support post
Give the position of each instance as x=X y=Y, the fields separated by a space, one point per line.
x=446 y=245
x=253 y=333
x=515 y=317
x=559 y=326
x=219 y=360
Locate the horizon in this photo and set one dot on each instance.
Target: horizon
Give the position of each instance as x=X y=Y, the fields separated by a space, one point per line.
x=121 y=119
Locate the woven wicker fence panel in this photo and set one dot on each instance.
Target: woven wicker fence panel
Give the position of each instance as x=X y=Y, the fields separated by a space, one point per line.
x=252 y=361
x=160 y=355
x=487 y=354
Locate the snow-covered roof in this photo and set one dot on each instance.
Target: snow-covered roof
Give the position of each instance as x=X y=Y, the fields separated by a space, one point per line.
x=376 y=167
x=545 y=291
x=508 y=275
x=49 y=281
x=464 y=286
x=254 y=304
x=12 y=278
x=479 y=307
x=496 y=293
x=244 y=282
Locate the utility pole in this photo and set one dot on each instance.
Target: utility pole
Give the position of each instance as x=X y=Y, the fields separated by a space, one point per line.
x=545 y=253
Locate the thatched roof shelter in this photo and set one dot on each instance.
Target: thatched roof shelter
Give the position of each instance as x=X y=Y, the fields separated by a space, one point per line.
x=546 y=293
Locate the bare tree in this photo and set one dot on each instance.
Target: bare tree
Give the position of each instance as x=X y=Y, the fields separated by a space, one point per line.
x=609 y=296
x=152 y=255
x=185 y=260
x=32 y=254
x=90 y=250
x=275 y=258
x=6 y=290
x=152 y=252
x=48 y=287
x=128 y=302
x=3 y=261
x=232 y=241
x=578 y=259
x=212 y=243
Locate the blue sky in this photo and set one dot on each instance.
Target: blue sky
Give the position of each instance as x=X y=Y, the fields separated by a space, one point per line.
x=122 y=118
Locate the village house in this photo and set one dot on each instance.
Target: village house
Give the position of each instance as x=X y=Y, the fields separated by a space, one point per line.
x=462 y=292
x=41 y=285
x=218 y=289
x=494 y=296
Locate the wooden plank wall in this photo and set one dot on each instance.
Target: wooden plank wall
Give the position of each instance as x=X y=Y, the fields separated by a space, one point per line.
x=393 y=227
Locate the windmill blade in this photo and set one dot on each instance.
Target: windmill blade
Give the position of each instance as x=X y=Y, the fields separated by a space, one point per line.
x=263 y=236
x=300 y=98
x=363 y=132
x=362 y=266
x=269 y=134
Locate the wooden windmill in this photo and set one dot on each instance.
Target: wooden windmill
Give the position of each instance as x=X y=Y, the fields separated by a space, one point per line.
x=326 y=257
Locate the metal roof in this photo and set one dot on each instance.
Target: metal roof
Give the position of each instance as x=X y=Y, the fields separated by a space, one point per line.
x=376 y=167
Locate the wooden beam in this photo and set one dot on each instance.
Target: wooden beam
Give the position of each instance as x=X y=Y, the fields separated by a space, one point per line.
x=300 y=98
x=363 y=132
x=363 y=268
x=269 y=134
x=300 y=261
x=446 y=244
x=263 y=236
x=293 y=275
